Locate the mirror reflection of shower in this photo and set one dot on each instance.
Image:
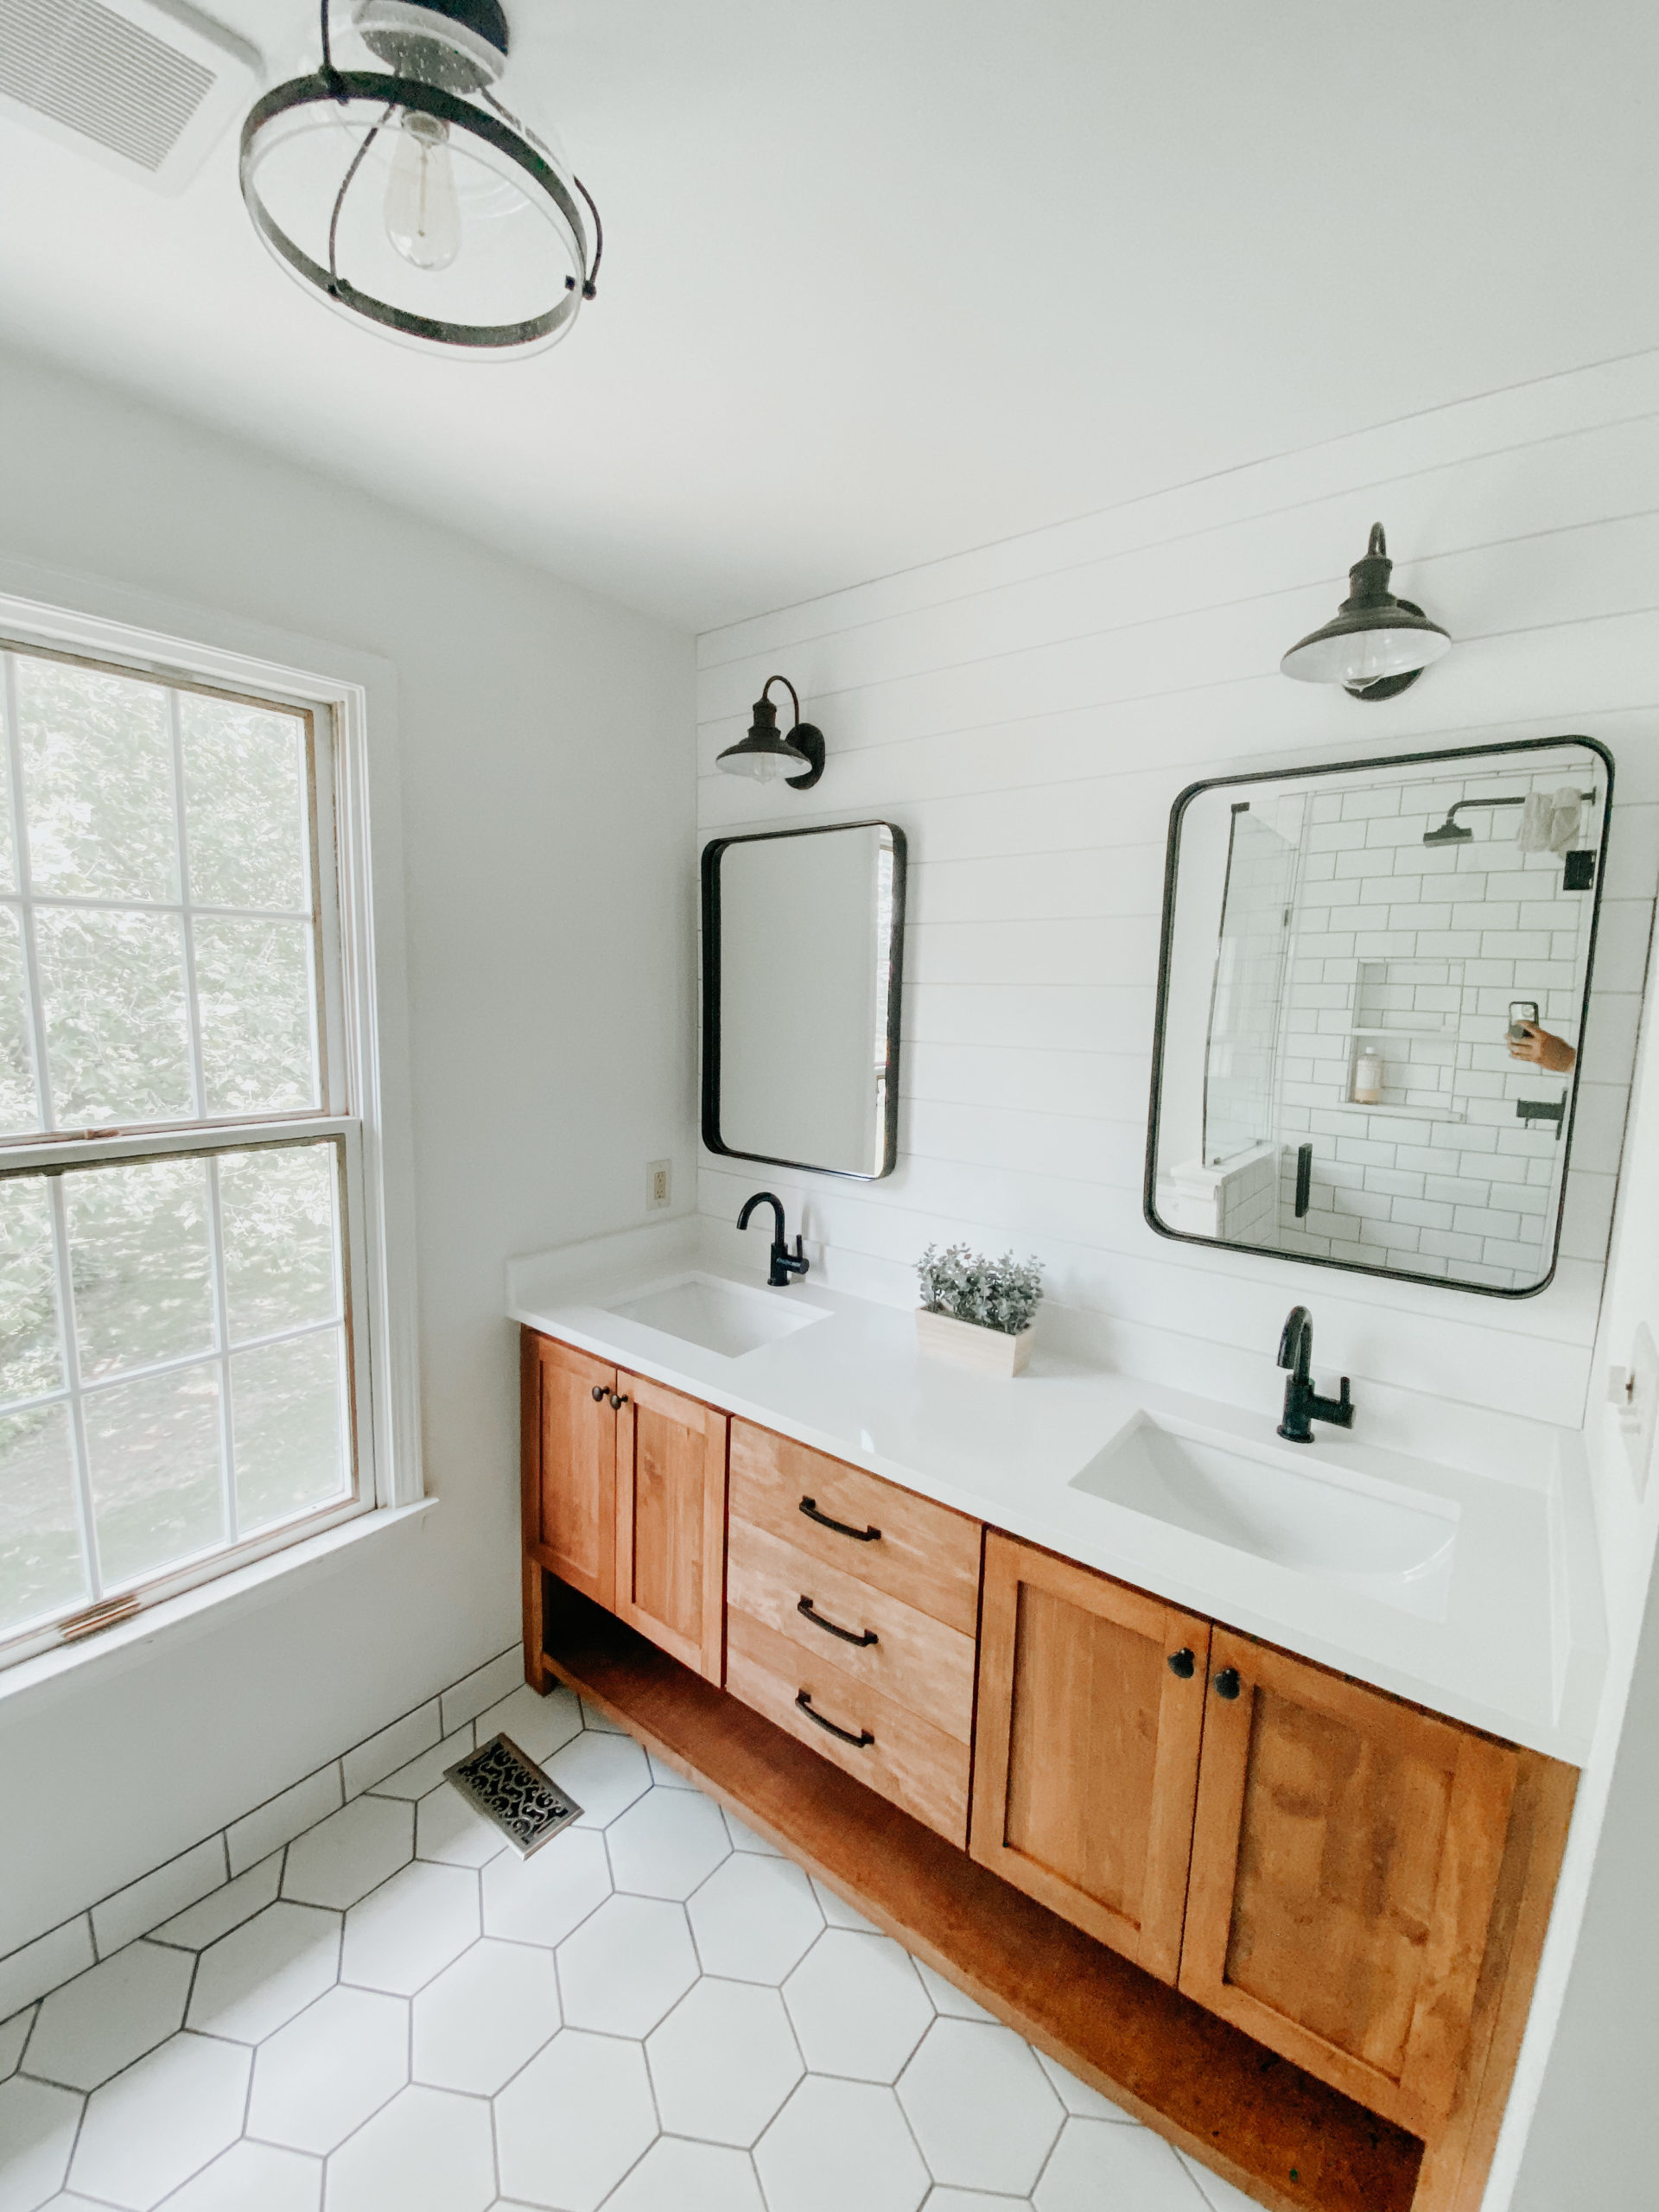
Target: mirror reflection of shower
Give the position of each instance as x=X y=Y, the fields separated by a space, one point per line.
x=1350 y=957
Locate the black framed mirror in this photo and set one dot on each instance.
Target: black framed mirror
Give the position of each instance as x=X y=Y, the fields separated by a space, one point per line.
x=803 y=946
x=1372 y=991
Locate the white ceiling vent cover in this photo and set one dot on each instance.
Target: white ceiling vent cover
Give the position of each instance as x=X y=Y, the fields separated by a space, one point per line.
x=145 y=87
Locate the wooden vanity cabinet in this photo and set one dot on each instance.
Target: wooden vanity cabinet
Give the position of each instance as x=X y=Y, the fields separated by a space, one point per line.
x=624 y=1499
x=670 y=1521
x=1091 y=1700
x=1346 y=1860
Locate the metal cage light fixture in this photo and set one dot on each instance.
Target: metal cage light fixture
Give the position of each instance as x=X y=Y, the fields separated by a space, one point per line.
x=408 y=196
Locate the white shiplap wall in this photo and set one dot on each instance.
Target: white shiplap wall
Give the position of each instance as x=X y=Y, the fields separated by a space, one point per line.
x=1028 y=712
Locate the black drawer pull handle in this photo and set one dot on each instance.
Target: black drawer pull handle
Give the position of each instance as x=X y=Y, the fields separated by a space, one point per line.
x=830 y=1628
x=810 y=1507
x=1183 y=1663
x=617 y=1403
x=600 y=1394
x=1227 y=1682
x=802 y=1697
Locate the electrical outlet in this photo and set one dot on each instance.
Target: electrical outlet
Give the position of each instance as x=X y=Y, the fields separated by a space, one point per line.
x=659 y=1184
x=1634 y=1391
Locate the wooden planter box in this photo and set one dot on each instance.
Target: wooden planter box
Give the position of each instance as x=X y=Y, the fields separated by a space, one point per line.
x=993 y=1351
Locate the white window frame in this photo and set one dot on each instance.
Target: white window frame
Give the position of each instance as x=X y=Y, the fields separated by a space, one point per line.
x=364 y=1103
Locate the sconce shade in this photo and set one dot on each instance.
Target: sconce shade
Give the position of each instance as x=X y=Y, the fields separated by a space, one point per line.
x=766 y=753
x=1374 y=645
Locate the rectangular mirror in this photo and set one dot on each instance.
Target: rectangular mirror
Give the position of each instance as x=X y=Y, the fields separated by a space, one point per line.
x=802 y=936
x=1372 y=1001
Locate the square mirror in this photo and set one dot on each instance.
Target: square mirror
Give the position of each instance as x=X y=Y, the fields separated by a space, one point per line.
x=802 y=936
x=1371 y=999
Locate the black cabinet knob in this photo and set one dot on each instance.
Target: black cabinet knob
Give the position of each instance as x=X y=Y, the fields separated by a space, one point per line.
x=1227 y=1682
x=599 y=1394
x=617 y=1403
x=1183 y=1663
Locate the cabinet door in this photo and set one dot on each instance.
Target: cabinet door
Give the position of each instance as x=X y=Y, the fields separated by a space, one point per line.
x=1344 y=1864
x=1086 y=1750
x=570 y=1482
x=670 y=1521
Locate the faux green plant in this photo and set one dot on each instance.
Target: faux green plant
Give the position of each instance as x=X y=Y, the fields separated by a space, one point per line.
x=1001 y=1293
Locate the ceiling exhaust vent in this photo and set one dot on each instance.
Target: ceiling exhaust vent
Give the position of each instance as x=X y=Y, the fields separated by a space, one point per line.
x=145 y=87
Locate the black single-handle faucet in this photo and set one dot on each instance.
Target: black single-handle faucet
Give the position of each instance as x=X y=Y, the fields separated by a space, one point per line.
x=785 y=1265
x=1303 y=1404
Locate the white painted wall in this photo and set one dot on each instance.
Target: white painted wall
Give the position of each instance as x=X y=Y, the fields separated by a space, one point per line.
x=547 y=805
x=1028 y=713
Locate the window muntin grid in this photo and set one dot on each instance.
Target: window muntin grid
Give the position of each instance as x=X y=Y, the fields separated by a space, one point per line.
x=159 y=939
x=209 y=867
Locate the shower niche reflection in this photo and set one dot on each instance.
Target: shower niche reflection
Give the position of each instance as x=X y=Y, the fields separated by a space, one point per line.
x=1348 y=952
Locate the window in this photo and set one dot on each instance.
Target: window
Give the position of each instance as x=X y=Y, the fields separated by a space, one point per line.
x=183 y=1375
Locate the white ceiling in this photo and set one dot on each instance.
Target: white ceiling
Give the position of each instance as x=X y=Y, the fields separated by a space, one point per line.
x=886 y=279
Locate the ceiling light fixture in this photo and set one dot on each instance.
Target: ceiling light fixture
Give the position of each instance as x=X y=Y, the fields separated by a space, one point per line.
x=407 y=194
x=766 y=753
x=1375 y=645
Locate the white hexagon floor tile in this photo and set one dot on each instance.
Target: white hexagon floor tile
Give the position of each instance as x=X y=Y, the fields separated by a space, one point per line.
x=667 y=1844
x=322 y=2075
x=539 y=1726
x=604 y=1773
x=627 y=1966
x=858 y=2006
x=198 y=1925
x=571 y=2124
x=841 y=2144
x=982 y=2107
x=484 y=2016
x=723 y=2062
x=409 y=1929
x=449 y=1829
x=104 y=2019
x=1099 y=2162
x=254 y=2178
x=14 y=2034
x=676 y=2176
x=37 y=2132
x=754 y=1918
x=152 y=2127
x=541 y=1898
x=745 y=1838
x=350 y=1853
x=951 y=2003
x=427 y=1771
x=264 y=1973
x=962 y=2200
x=839 y=1913
x=428 y=2150
x=1077 y=2097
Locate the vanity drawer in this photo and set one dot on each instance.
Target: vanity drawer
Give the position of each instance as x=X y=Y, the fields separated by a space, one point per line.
x=908 y=1760
x=923 y=1554
x=915 y=1661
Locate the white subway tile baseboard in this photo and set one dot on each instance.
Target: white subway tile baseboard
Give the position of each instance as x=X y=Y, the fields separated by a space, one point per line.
x=201 y=1893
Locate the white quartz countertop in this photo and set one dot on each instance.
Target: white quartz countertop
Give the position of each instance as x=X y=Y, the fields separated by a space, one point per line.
x=1519 y=1651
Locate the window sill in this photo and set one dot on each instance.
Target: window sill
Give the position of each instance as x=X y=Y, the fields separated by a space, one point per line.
x=208 y=1607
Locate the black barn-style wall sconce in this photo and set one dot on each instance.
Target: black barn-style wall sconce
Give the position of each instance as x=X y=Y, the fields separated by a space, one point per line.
x=766 y=753
x=1375 y=645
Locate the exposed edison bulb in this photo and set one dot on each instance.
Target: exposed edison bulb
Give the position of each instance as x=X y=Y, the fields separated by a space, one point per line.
x=422 y=206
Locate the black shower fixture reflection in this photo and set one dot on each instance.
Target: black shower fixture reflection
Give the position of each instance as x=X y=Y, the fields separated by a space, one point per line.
x=1452 y=831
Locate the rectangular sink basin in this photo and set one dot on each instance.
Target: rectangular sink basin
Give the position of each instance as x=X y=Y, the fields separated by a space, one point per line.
x=724 y=1317
x=1282 y=1504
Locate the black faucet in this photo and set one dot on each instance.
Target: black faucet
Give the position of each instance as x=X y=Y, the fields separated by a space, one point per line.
x=785 y=1266
x=1303 y=1404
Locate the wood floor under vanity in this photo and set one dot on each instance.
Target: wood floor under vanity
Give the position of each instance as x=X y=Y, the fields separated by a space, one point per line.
x=1315 y=1973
